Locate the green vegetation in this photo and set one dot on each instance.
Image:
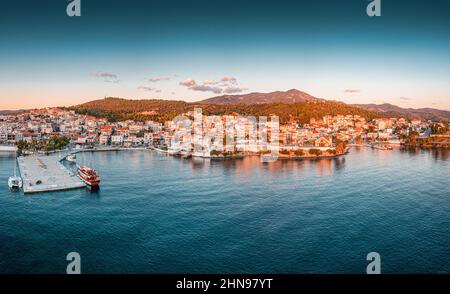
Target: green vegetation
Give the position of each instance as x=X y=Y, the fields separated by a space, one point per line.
x=332 y=151
x=51 y=144
x=440 y=129
x=441 y=140
x=115 y=109
x=118 y=109
x=341 y=146
x=315 y=152
x=215 y=153
x=299 y=152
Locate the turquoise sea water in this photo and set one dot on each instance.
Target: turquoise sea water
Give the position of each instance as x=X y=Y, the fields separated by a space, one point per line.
x=158 y=214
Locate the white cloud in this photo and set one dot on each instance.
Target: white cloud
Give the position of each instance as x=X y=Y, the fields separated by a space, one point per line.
x=158 y=79
x=209 y=82
x=228 y=79
x=225 y=84
x=188 y=83
x=352 y=91
x=149 y=89
x=106 y=76
x=234 y=90
x=206 y=88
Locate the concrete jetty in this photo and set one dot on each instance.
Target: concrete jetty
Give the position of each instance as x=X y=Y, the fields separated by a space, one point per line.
x=46 y=173
x=8 y=148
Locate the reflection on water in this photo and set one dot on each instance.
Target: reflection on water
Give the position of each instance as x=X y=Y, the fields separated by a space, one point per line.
x=440 y=154
x=437 y=154
x=247 y=165
x=93 y=193
x=160 y=214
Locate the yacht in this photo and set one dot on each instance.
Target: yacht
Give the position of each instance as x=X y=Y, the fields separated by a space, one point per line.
x=15 y=182
x=71 y=158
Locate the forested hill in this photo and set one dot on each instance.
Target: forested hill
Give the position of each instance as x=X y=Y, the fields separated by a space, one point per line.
x=421 y=113
x=115 y=109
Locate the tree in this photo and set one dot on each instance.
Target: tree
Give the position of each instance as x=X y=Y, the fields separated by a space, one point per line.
x=341 y=146
x=215 y=153
x=21 y=146
x=332 y=151
x=315 y=152
x=299 y=152
x=284 y=152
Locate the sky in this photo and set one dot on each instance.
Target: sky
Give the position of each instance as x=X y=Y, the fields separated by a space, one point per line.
x=193 y=50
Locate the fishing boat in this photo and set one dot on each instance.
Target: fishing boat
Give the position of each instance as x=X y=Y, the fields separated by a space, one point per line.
x=89 y=176
x=71 y=158
x=15 y=182
x=267 y=158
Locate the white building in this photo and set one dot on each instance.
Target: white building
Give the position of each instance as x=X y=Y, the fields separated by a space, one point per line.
x=117 y=139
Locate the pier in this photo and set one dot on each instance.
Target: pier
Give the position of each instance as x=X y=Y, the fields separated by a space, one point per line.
x=45 y=174
x=8 y=148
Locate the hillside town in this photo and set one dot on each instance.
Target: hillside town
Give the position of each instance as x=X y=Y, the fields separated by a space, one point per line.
x=33 y=130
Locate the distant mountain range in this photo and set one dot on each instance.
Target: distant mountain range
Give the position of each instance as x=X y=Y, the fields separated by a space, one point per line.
x=292 y=104
x=10 y=112
x=296 y=96
x=421 y=113
x=291 y=96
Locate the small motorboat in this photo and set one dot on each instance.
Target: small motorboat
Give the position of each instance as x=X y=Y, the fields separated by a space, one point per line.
x=267 y=158
x=15 y=182
x=71 y=158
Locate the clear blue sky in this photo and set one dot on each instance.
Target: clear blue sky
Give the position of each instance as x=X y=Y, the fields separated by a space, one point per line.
x=182 y=49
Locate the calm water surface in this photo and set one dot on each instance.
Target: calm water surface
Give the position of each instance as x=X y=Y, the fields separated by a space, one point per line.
x=158 y=214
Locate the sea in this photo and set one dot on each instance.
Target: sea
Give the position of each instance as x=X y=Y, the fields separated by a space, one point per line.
x=160 y=214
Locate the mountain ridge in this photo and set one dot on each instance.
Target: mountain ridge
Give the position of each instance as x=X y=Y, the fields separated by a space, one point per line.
x=425 y=113
x=290 y=96
x=295 y=96
x=115 y=109
x=287 y=104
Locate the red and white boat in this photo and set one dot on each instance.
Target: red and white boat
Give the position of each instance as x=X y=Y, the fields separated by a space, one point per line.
x=89 y=176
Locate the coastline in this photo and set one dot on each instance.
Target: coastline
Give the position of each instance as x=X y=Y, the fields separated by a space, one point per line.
x=229 y=157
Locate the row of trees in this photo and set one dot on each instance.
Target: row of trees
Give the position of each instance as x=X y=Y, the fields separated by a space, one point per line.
x=51 y=144
x=313 y=152
x=440 y=129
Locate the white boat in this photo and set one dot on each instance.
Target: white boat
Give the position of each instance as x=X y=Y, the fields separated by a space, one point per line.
x=201 y=154
x=15 y=182
x=173 y=151
x=71 y=158
x=267 y=158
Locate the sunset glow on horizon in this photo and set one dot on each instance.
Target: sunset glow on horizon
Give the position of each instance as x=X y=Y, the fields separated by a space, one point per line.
x=177 y=51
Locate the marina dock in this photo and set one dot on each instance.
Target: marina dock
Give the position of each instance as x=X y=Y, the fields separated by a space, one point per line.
x=46 y=173
x=8 y=148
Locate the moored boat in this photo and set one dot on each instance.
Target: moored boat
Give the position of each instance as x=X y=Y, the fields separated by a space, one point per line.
x=71 y=158
x=89 y=176
x=267 y=158
x=15 y=182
